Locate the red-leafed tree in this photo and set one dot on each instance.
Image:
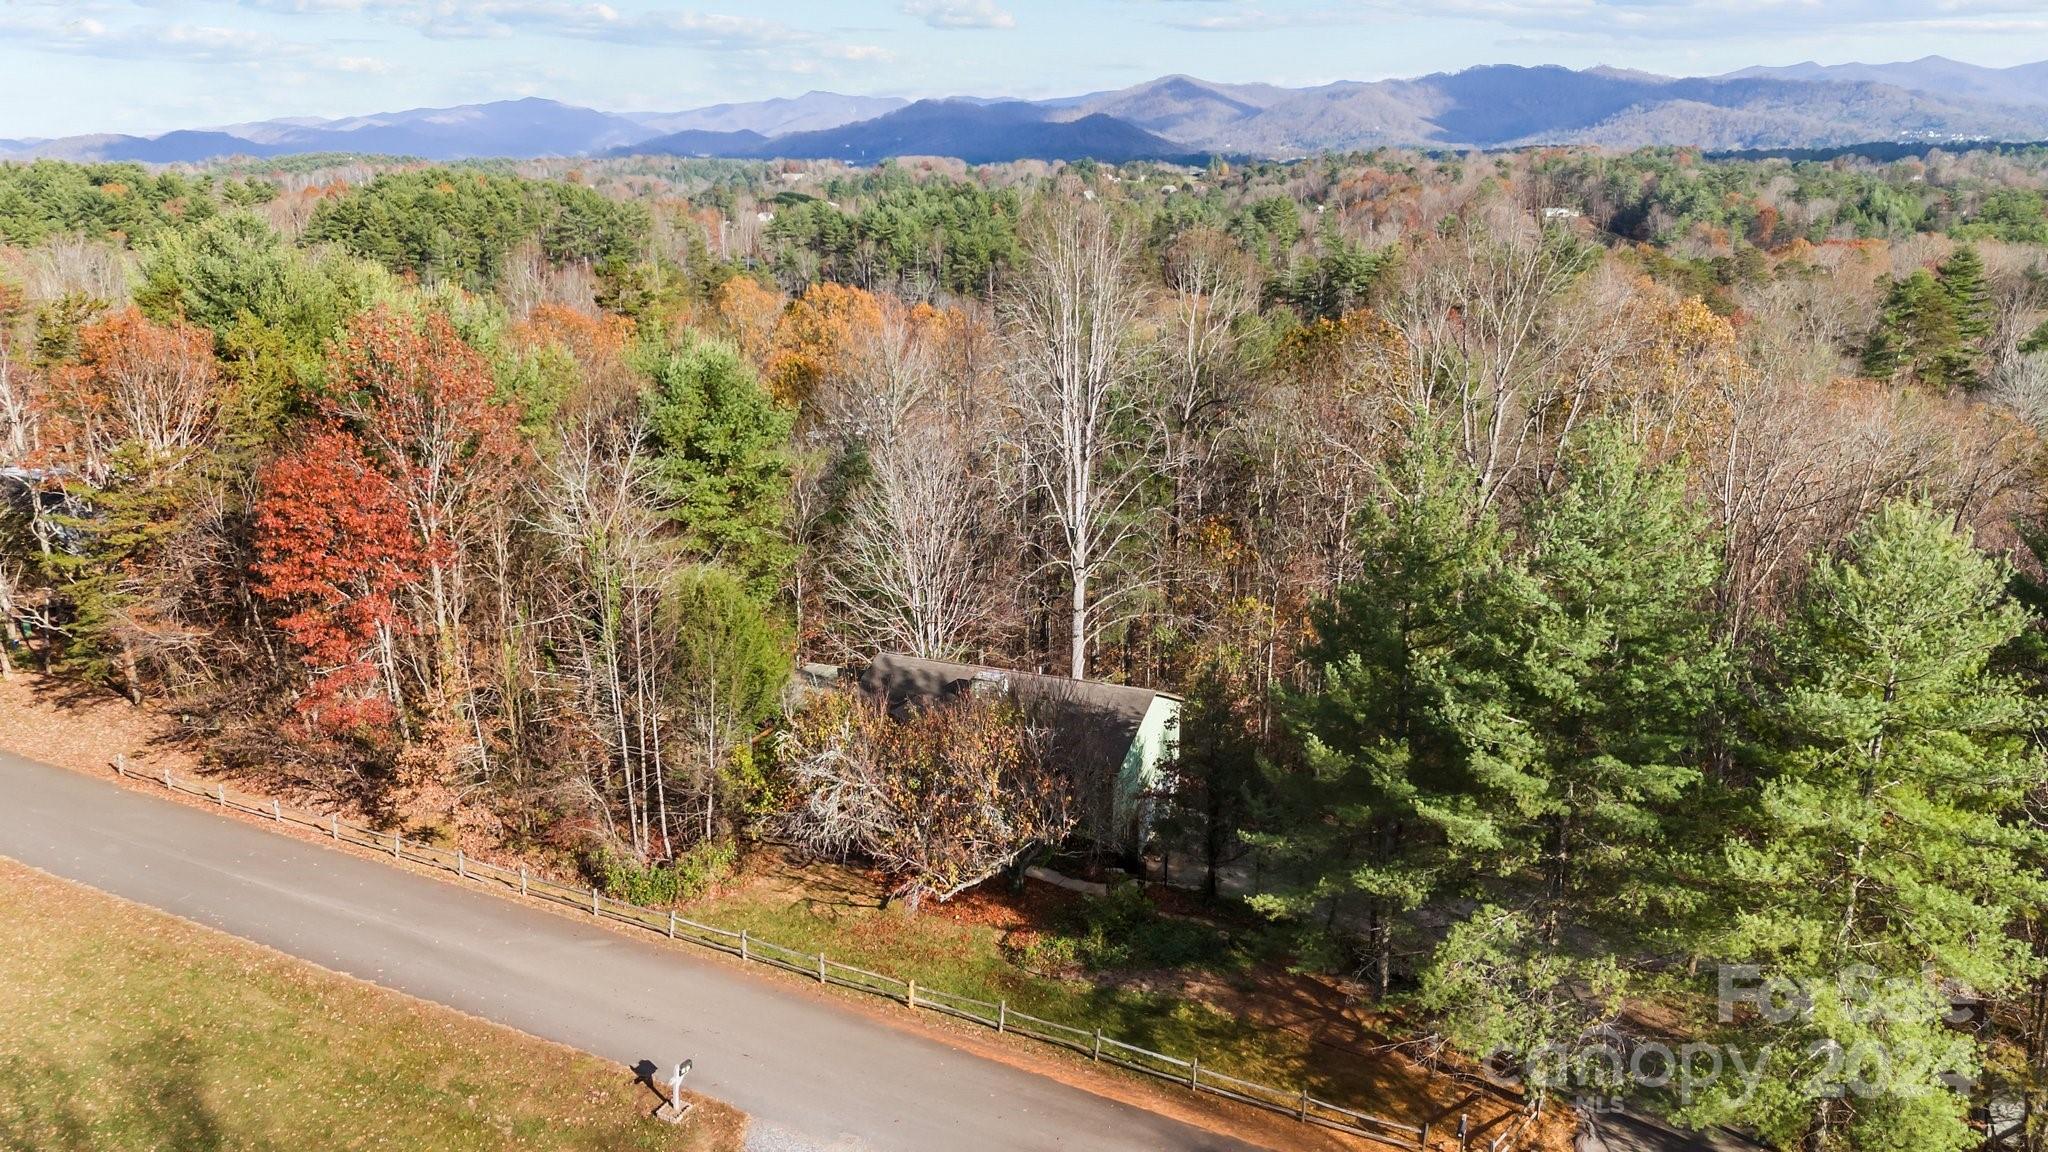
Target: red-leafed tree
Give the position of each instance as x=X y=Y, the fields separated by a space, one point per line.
x=424 y=406
x=335 y=547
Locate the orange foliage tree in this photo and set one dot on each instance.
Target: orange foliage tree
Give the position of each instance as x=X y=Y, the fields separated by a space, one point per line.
x=135 y=383
x=746 y=315
x=571 y=355
x=595 y=341
x=335 y=547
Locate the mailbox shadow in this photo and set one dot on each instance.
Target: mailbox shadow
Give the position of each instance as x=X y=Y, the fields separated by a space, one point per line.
x=644 y=1072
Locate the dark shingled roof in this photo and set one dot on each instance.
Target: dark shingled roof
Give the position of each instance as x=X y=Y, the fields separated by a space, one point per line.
x=905 y=678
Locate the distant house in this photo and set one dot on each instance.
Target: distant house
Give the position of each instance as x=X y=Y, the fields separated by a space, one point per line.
x=1113 y=740
x=35 y=492
x=18 y=488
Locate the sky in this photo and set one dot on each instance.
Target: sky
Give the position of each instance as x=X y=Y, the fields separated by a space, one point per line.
x=147 y=66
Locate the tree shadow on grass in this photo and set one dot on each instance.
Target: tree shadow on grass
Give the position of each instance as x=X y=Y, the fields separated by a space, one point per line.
x=149 y=1094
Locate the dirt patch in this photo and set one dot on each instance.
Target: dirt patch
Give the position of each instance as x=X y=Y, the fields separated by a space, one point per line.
x=74 y=726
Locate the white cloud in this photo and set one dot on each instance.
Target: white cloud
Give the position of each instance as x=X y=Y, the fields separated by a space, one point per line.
x=1631 y=20
x=576 y=19
x=92 y=36
x=858 y=53
x=763 y=43
x=958 y=14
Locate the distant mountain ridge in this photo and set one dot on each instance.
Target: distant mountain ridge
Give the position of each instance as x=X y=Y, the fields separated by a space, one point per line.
x=515 y=128
x=810 y=112
x=1503 y=106
x=1927 y=101
x=976 y=132
x=2021 y=84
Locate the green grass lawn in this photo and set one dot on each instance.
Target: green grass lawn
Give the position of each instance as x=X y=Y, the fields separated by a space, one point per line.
x=122 y=1028
x=1227 y=1004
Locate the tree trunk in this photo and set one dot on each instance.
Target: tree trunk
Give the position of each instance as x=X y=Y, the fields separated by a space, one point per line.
x=131 y=676
x=1079 y=631
x=10 y=635
x=1380 y=931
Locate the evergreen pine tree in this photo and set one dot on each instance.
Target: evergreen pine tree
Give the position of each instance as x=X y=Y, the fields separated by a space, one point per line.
x=1410 y=751
x=1620 y=669
x=1887 y=849
x=1915 y=334
x=108 y=569
x=1933 y=325
x=721 y=460
x=2037 y=341
x=1962 y=282
x=1215 y=768
x=1615 y=670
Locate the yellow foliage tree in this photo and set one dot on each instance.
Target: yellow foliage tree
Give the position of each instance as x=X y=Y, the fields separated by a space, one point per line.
x=747 y=314
x=819 y=340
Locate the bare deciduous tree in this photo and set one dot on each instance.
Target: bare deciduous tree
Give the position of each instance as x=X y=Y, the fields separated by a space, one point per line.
x=1083 y=429
x=1212 y=287
x=1494 y=346
x=942 y=799
x=612 y=567
x=17 y=414
x=909 y=573
x=909 y=576
x=73 y=265
x=10 y=630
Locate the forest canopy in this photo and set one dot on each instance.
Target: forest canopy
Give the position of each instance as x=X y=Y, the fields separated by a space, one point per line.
x=1584 y=573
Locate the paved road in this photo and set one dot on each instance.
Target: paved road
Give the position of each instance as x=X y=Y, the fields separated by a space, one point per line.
x=814 y=1075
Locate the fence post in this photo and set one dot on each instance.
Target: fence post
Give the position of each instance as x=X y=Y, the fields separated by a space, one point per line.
x=522 y=879
x=593 y=901
x=1002 y=1015
x=1194 y=1074
x=1098 y=1045
x=1303 y=1116
x=461 y=869
x=121 y=763
x=220 y=793
x=334 y=826
x=167 y=777
x=910 y=997
x=671 y=923
x=276 y=812
x=743 y=945
x=821 y=968
x=396 y=850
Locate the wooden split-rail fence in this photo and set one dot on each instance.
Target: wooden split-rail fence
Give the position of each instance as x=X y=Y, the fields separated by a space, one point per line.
x=999 y=1015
